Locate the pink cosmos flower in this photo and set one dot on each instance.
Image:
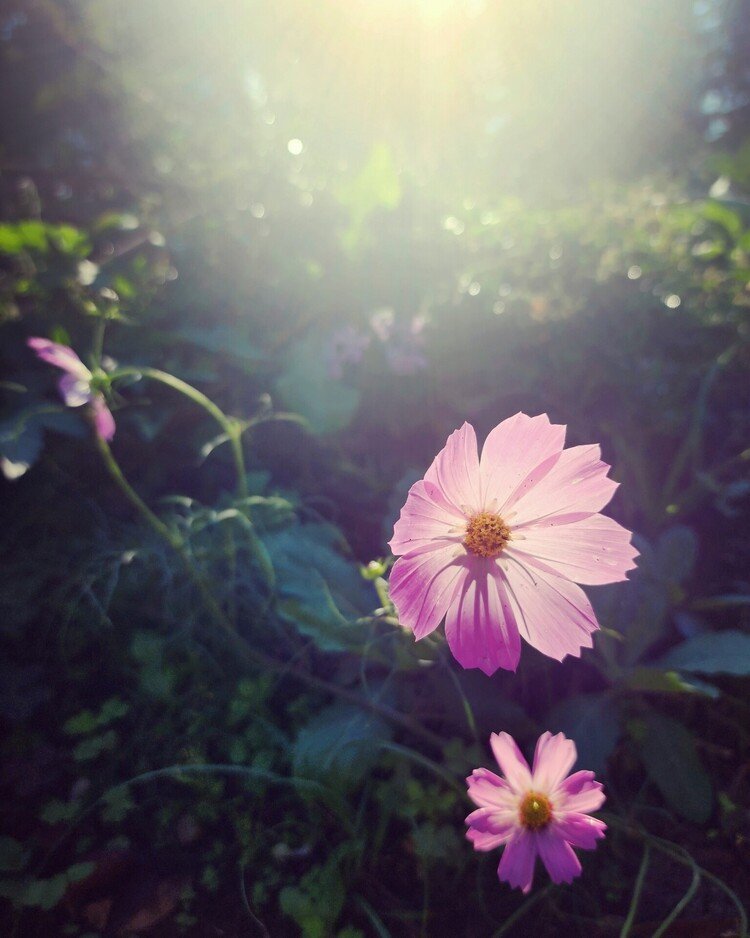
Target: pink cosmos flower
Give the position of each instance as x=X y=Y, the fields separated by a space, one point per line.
x=497 y=545
x=538 y=812
x=75 y=385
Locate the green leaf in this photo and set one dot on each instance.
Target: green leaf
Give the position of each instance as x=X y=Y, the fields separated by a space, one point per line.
x=226 y=340
x=82 y=723
x=592 y=721
x=318 y=589
x=337 y=744
x=711 y=653
x=306 y=387
x=45 y=893
x=56 y=811
x=79 y=871
x=723 y=216
x=117 y=803
x=376 y=186
x=86 y=722
x=94 y=746
x=636 y=609
x=10 y=240
x=20 y=446
x=654 y=680
x=33 y=234
x=13 y=855
x=69 y=240
x=316 y=903
x=669 y=755
x=676 y=553
x=156 y=679
x=436 y=842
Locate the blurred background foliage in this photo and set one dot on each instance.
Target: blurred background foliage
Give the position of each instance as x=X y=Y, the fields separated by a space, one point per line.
x=354 y=225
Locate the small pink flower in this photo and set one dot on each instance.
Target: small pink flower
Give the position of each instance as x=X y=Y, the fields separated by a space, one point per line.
x=497 y=545
x=538 y=812
x=75 y=385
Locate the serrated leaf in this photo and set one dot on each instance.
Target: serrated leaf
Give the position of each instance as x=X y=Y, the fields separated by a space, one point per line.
x=318 y=589
x=337 y=744
x=670 y=758
x=316 y=903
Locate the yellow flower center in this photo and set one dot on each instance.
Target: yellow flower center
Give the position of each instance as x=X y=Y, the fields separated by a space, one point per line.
x=486 y=534
x=535 y=811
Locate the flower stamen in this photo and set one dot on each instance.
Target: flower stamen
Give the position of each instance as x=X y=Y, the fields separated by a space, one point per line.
x=535 y=811
x=486 y=534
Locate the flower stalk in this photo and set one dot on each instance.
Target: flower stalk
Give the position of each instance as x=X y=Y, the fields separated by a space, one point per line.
x=244 y=652
x=232 y=428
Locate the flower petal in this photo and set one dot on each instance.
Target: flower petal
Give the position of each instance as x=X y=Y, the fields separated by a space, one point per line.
x=576 y=482
x=489 y=790
x=61 y=356
x=73 y=390
x=104 y=422
x=455 y=469
x=595 y=550
x=511 y=453
x=487 y=840
x=493 y=820
x=580 y=830
x=517 y=862
x=426 y=517
x=557 y=855
x=511 y=761
x=480 y=626
x=580 y=793
x=423 y=584
x=488 y=827
x=553 y=614
x=553 y=759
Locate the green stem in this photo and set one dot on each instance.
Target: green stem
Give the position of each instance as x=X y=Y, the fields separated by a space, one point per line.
x=680 y=855
x=156 y=524
x=635 y=901
x=232 y=429
x=98 y=345
x=244 y=652
x=521 y=911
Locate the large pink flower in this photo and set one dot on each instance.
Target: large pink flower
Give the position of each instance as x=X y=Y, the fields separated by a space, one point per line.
x=497 y=545
x=535 y=812
x=75 y=385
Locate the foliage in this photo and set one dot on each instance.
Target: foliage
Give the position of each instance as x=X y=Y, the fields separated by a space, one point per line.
x=217 y=717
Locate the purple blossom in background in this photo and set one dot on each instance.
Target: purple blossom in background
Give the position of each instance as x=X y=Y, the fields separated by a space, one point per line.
x=404 y=343
x=347 y=347
x=75 y=385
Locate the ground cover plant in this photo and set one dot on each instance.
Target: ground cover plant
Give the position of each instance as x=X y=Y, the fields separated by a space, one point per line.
x=244 y=303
